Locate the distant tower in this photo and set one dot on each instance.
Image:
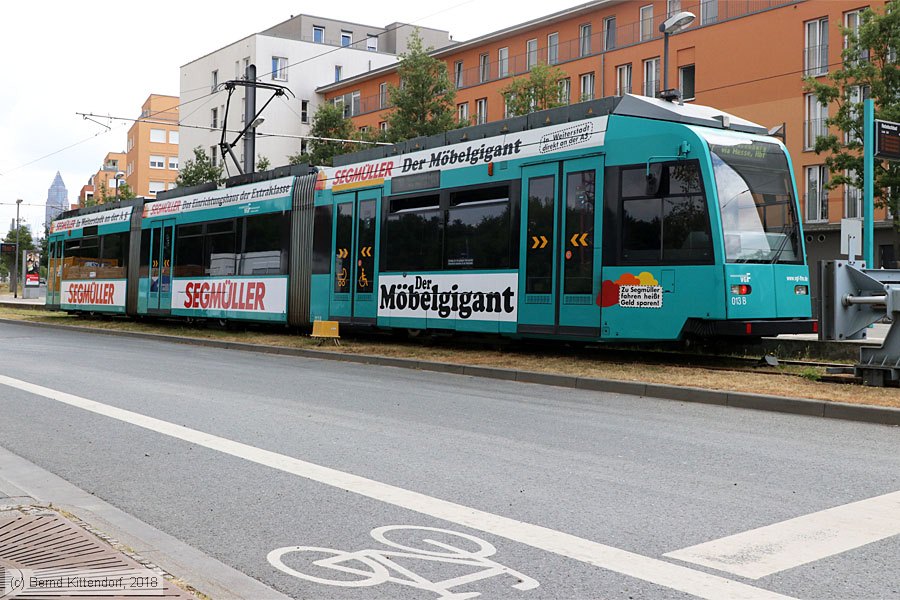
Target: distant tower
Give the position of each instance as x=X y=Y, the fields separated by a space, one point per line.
x=57 y=199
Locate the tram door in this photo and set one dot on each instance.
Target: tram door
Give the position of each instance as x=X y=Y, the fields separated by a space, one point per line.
x=354 y=296
x=560 y=257
x=162 y=241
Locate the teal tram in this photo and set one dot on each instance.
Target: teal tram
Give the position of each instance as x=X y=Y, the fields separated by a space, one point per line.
x=619 y=219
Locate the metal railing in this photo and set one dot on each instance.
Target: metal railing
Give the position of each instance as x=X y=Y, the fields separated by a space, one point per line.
x=815 y=60
x=815 y=207
x=813 y=129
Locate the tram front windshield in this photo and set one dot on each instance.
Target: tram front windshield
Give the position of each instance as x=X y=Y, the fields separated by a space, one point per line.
x=756 y=201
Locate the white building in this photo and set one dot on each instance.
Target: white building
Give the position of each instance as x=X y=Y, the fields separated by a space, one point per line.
x=302 y=53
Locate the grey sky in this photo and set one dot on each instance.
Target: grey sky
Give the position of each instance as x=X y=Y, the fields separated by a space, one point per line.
x=88 y=56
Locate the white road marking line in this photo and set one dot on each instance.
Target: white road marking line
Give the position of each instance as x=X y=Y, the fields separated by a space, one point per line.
x=788 y=544
x=676 y=577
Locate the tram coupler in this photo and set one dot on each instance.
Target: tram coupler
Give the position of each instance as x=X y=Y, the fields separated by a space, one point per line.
x=852 y=298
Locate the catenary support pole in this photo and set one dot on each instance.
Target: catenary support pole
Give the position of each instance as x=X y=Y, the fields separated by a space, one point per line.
x=869 y=183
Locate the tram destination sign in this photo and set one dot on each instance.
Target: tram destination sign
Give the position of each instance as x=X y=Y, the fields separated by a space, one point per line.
x=887 y=140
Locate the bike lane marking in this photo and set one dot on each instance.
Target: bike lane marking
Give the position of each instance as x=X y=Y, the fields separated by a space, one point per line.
x=652 y=570
x=788 y=544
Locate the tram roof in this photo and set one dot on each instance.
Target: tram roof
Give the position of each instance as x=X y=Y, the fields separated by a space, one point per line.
x=628 y=105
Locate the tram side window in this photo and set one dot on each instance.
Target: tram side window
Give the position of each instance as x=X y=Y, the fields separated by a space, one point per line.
x=266 y=245
x=81 y=258
x=322 y=241
x=478 y=229
x=219 y=248
x=413 y=237
x=188 y=251
x=144 y=265
x=113 y=256
x=664 y=220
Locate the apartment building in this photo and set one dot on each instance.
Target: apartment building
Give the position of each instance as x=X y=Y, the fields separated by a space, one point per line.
x=152 y=162
x=300 y=54
x=748 y=58
x=105 y=182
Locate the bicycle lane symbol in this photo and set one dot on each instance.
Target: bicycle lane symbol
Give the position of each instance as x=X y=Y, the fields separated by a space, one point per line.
x=379 y=566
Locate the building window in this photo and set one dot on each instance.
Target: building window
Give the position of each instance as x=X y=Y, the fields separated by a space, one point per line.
x=319 y=35
x=853 y=198
x=552 y=48
x=646 y=22
x=462 y=112
x=173 y=137
x=587 y=87
x=814 y=126
x=503 y=62
x=686 y=82
x=246 y=65
x=584 y=40
x=214 y=83
x=382 y=125
x=565 y=90
x=157 y=186
x=851 y=23
x=709 y=11
x=372 y=43
x=173 y=163
x=815 y=53
x=531 y=51
x=157 y=162
x=355 y=104
x=171 y=185
x=338 y=69
x=382 y=95
x=651 y=77
x=855 y=96
x=158 y=136
x=623 y=79
x=609 y=33
x=672 y=7
x=279 y=68
x=304 y=111
x=213 y=156
x=484 y=68
x=458 y=73
x=214 y=118
x=481 y=111
x=346 y=38
x=816 y=196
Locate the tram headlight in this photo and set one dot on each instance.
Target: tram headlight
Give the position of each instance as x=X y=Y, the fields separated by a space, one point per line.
x=801 y=290
x=740 y=289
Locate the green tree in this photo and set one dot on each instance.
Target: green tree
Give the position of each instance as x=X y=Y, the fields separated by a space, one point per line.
x=869 y=70
x=298 y=158
x=198 y=170
x=328 y=125
x=539 y=90
x=263 y=163
x=125 y=192
x=25 y=243
x=424 y=104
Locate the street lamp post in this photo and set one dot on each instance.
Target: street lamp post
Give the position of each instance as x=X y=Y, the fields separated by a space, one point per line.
x=673 y=24
x=119 y=176
x=16 y=269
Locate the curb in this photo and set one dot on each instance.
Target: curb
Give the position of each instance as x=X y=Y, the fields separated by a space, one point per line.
x=817 y=408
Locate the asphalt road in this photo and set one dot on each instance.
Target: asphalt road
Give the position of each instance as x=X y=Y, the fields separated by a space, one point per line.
x=548 y=493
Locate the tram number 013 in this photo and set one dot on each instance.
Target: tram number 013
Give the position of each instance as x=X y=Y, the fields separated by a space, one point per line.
x=739 y=301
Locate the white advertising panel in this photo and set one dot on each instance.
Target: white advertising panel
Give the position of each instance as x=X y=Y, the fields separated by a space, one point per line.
x=266 y=295
x=475 y=296
x=107 y=217
x=520 y=144
x=92 y=293
x=236 y=196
